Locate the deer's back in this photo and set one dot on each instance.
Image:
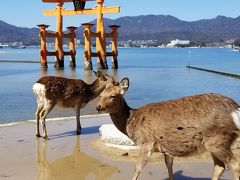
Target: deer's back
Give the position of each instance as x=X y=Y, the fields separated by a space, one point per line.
x=65 y=91
x=190 y=118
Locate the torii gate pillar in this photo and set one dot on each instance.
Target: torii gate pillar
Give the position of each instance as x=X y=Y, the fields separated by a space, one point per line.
x=43 y=51
x=72 y=36
x=114 y=33
x=100 y=41
x=59 y=61
x=87 y=48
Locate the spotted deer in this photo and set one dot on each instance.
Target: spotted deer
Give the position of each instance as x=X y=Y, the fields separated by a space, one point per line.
x=177 y=127
x=54 y=91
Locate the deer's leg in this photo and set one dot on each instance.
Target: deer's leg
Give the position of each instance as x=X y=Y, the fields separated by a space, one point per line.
x=235 y=167
x=219 y=168
x=222 y=154
x=78 y=120
x=145 y=153
x=37 y=115
x=48 y=106
x=169 y=163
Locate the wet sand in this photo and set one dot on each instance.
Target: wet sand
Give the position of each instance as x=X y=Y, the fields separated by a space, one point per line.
x=67 y=156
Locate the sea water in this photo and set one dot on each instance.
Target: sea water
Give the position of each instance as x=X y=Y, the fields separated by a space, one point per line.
x=156 y=74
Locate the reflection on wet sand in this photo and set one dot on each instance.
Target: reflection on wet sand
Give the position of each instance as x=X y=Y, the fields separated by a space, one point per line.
x=78 y=165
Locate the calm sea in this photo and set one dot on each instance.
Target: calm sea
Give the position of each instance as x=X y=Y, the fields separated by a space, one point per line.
x=155 y=75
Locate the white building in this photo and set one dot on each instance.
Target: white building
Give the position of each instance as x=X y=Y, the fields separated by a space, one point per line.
x=176 y=42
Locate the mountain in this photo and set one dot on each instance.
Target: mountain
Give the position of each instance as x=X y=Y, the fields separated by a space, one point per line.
x=166 y=28
x=10 y=33
x=147 y=27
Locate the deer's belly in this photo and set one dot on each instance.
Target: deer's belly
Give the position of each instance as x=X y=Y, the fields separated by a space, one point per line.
x=67 y=104
x=181 y=141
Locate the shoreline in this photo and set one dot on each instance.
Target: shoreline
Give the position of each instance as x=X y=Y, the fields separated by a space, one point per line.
x=21 y=122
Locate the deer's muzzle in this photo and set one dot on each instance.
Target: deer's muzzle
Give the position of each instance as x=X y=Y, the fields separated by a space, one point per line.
x=99 y=108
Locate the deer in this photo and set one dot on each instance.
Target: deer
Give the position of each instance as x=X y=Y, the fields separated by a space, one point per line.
x=54 y=91
x=177 y=128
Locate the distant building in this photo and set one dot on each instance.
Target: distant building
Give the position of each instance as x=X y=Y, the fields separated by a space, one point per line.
x=78 y=42
x=177 y=42
x=2 y=45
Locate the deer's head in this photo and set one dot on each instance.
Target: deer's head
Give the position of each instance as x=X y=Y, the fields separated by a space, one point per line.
x=111 y=99
x=102 y=81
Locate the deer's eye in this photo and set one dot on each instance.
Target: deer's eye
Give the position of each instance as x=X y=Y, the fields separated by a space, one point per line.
x=112 y=97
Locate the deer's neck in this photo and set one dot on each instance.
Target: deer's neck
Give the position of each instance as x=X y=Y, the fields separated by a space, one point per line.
x=121 y=117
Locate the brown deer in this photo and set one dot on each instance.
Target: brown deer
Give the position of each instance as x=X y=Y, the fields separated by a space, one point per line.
x=66 y=93
x=177 y=127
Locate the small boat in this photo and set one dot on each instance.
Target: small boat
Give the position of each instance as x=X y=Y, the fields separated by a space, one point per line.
x=4 y=45
x=236 y=48
x=17 y=45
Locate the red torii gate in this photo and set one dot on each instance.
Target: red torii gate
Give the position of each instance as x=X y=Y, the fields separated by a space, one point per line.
x=59 y=35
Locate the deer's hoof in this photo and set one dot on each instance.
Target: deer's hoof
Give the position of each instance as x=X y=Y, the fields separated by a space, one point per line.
x=38 y=135
x=46 y=138
x=78 y=132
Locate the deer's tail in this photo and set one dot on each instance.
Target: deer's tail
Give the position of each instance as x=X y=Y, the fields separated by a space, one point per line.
x=39 y=90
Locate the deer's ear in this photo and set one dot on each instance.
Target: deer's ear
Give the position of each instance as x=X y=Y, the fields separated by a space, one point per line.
x=124 y=84
x=99 y=74
x=95 y=73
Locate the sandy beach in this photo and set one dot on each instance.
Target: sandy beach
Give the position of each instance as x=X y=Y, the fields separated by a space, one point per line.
x=67 y=156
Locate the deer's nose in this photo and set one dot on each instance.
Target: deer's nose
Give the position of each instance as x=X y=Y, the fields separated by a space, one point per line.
x=99 y=107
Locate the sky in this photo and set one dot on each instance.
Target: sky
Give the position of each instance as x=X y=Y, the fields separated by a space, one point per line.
x=29 y=13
